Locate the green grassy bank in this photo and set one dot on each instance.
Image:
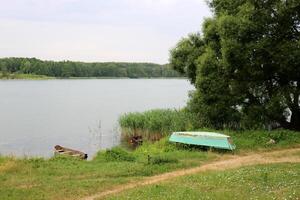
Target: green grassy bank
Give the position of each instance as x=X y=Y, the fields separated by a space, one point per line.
x=264 y=182
x=69 y=178
x=24 y=76
x=44 y=77
x=161 y=123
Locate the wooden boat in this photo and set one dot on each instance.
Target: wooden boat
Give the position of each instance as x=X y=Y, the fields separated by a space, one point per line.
x=71 y=152
x=209 y=139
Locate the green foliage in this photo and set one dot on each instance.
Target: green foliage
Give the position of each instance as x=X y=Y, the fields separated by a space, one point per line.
x=183 y=57
x=158 y=148
x=139 y=124
x=118 y=154
x=247 y=65
x=159 y=122
x=32 y=66
x=4 y=75
x=158 y=160
x=259 y=139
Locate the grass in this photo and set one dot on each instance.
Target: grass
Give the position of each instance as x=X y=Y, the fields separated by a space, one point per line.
x=69 y=178
x=259 y=139
x=154 y=124
x=24 y=76
x=276 y=181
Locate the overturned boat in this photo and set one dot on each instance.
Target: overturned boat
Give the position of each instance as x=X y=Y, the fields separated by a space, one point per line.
x=70 y=152
x=208 y=139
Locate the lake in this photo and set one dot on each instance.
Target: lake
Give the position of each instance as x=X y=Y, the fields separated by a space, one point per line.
x=81 y=114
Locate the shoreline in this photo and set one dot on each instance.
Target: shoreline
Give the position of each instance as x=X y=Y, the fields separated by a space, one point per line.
x=42 y=77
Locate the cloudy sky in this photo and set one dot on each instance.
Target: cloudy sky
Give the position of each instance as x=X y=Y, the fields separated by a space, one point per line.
x=97 y=30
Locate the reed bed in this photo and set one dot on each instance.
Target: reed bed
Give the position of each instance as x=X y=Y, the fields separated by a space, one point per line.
x=155 y=124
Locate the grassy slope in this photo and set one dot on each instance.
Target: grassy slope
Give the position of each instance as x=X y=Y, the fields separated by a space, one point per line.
x=246 y=141
x=69 y=178
x=276 y=181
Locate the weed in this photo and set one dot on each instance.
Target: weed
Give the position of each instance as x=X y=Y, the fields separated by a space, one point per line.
x=158 y=160
x=118 y=154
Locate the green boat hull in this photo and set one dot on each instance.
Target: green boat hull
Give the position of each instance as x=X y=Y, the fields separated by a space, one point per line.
x=208 y=139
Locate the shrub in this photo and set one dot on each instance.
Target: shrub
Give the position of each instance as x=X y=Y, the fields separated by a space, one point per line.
x=159 y=160
x=118 y=154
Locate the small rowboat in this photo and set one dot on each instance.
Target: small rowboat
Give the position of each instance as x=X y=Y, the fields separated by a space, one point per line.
x=71 y=152
x=209 y=139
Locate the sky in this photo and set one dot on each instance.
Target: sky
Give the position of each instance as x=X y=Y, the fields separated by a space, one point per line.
x=97 y=30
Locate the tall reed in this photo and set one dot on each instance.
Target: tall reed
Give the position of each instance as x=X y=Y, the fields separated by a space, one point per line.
x=154 y=124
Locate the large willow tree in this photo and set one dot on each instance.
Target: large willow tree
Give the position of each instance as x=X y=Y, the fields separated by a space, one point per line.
x=246 y=64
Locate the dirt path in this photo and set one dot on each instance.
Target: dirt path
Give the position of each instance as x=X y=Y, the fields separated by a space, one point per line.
x=279 y=156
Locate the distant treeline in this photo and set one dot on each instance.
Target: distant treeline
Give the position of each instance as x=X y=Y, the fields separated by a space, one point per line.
x=81 y=69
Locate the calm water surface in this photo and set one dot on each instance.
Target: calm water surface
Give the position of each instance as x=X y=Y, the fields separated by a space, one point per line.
x=80 y=114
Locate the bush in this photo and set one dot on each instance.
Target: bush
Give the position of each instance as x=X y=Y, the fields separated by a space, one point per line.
x=159 y=160
x=118 y=154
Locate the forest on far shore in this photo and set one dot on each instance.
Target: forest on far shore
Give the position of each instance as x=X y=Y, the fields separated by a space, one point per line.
x=82 y=69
